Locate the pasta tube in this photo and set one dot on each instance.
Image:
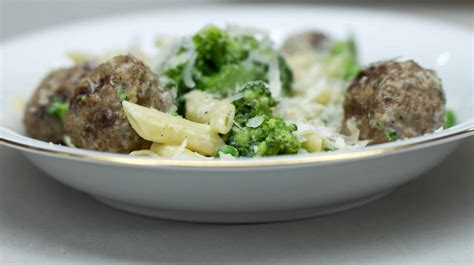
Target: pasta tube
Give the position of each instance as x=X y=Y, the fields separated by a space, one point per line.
x=143 y=153
x=174 y=151
x=159 y=127
x=203 y=108
x=312 y=142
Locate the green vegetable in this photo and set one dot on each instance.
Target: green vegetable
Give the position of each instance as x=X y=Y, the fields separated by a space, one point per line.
x=286 y=76
x=229 y=77
x=389 y=133
x=218 y=61
x=342 y=60
x=227 y=149
x=122 y=93
x=58 y=108
x=272 y=137
x=256 y=101
x=450 y=119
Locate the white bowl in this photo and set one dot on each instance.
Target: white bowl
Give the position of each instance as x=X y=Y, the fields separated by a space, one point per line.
x=245 y=190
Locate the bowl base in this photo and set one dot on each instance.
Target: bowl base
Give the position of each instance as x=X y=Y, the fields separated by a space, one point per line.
x=242 y=217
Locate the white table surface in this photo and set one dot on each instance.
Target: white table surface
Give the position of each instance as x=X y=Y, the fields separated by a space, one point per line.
x=428 y=221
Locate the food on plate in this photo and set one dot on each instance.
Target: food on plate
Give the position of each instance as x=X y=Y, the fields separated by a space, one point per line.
x=44 y=112
x=173 y=151
x=228 y=92
x=95 y=119
x=218 y=61
x=338 y=57
x=257 y=132
x=395 y=100
x=159 y=127
x=450 y=119
x=303 y=41
x=203 y=107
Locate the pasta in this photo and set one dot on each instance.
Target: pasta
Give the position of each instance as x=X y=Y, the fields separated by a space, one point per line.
x=312 y=142
x=171 y=151
x=204 y=108
x=143 y=153
x=159 y=127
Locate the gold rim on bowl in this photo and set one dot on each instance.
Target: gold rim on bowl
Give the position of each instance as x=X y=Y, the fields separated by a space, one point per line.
x=289 y=160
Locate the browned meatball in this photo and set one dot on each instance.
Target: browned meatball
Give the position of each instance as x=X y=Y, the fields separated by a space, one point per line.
x=95 y=119
x=41 y=120
x=395 y=100
x=304 y=41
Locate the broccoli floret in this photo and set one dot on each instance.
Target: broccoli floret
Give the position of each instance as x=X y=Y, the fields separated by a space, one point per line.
x=272 y=137
x=219 y=61
x=224 y=82
x=256 y=101
x=286 y=76
x=268 y=135
x=342 y=60
x=215 y=49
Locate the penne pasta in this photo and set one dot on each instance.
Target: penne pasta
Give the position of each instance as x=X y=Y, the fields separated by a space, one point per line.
x=203 y=108
x=312 y=142
x=172 y=151
x=163 y=128
x=143 y=153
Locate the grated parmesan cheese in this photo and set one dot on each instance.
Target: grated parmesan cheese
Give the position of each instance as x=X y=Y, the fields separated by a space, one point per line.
x=274 y=78
x=181 y=148
x=255 y=122
x=316 y=107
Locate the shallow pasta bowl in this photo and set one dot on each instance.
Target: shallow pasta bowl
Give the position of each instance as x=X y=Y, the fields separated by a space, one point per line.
x=243 y=190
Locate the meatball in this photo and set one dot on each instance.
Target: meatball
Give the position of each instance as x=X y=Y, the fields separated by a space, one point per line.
x=395 y=100
x=95 y=119
x=309 y=40
x=41 y=120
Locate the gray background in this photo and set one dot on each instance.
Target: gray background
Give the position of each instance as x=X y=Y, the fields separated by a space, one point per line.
x=18 y=16
x=428 y=221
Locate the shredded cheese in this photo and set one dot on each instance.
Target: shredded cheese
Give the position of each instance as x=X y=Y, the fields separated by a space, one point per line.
x=316 y=106
x=255 y=122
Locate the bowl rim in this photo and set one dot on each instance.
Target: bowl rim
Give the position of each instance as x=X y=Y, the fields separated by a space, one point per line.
x=18 y=141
